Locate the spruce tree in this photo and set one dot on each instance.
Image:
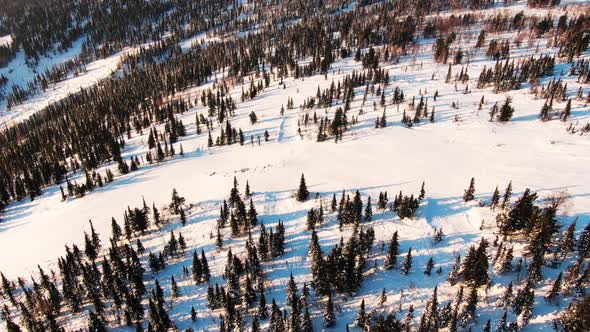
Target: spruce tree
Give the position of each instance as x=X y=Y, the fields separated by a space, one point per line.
x=193 y=314
x=382 y=297
x=361 y=316
x=392 y=253
x=555 y=289
x=368 y=210
x=407 y=263
x=470 y=191
x=507 y=194
x=329 y=318
x=177 y=202
x=302 y=192
x=219 y=240
x=306 y=323
x=174 y=287
x=495 y=198
x=506 y=111
x=429 y=266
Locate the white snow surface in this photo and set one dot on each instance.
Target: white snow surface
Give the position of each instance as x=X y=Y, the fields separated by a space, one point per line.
x=532 y=154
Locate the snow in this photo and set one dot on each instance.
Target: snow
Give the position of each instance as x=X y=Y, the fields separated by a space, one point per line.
x=6 y=40
x=532 y=154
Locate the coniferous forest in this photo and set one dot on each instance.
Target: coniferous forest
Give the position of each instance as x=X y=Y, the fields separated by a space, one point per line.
x=175 y=165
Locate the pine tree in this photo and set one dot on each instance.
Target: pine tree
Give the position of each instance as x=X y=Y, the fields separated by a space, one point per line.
x=253 y=118
x=115 y=230
x=503 y=323
x=506 y=111
x=544 y=114
x=292 y=293
x=495 y=198
x=368 y=210
x=577 y=316
x=566 y=111
x=252 y=214
x=156 y=215
x=422 y=192
x=568 y=242
x=382 y=297
x=219 y=240
x=247 y=191
x=302 y=193
x=429 y=266
x=555 y=289
x=329 y=318
x=454 y=273
x=182 y=217
x=306 y=324
x=430 y=319
x=89 y=248
x=206 y=275
x=361 y=316
x=177 y=202
x=255 y=324
x=262 y=310
x=470 y=307
x=469 y=192
x=193 y=314
x=174 y=287
x=392 y=253
x=584 y=242
x=12 y=326
x=507 y=194
x=95 y=323
x=408 y=319
x=407 y=264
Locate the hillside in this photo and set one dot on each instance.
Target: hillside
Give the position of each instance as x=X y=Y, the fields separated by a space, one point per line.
x=356 y=109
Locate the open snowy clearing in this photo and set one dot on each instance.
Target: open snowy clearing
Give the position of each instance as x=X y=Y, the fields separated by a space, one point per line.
x=460 y=144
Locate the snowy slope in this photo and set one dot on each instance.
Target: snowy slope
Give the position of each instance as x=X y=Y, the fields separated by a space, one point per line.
x=460 y=144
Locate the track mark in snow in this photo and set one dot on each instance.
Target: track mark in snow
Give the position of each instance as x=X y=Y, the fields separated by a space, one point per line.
x=281 y=130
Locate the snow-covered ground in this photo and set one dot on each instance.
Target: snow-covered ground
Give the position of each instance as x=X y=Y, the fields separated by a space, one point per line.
x=460 y=144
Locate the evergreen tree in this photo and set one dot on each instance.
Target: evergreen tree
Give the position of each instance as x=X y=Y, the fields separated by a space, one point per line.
x=430 y=319
x=429 y=266
x=115 y=230
x=422 y=192
x=555 y=289
x=262 y=310
x=95 y=323
x=368 y=210
x=329 y=318
x=566 y=111
x=177 y=202
x=568 y=242
x=255 y=324
x=302 y=192
x=219 y=240
x=89 y=250
x=392 y=253
x=306 y=323
x=382 y=297
x=469 y=192
x=10 y=325
x=507 y=194
x=361 y=316
x=495 y=198
x=182 y=217
x=174 y=287
x=470 y=307
x=407 y=263
x=577 y=316
x=193 y=314
x=506 y=111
